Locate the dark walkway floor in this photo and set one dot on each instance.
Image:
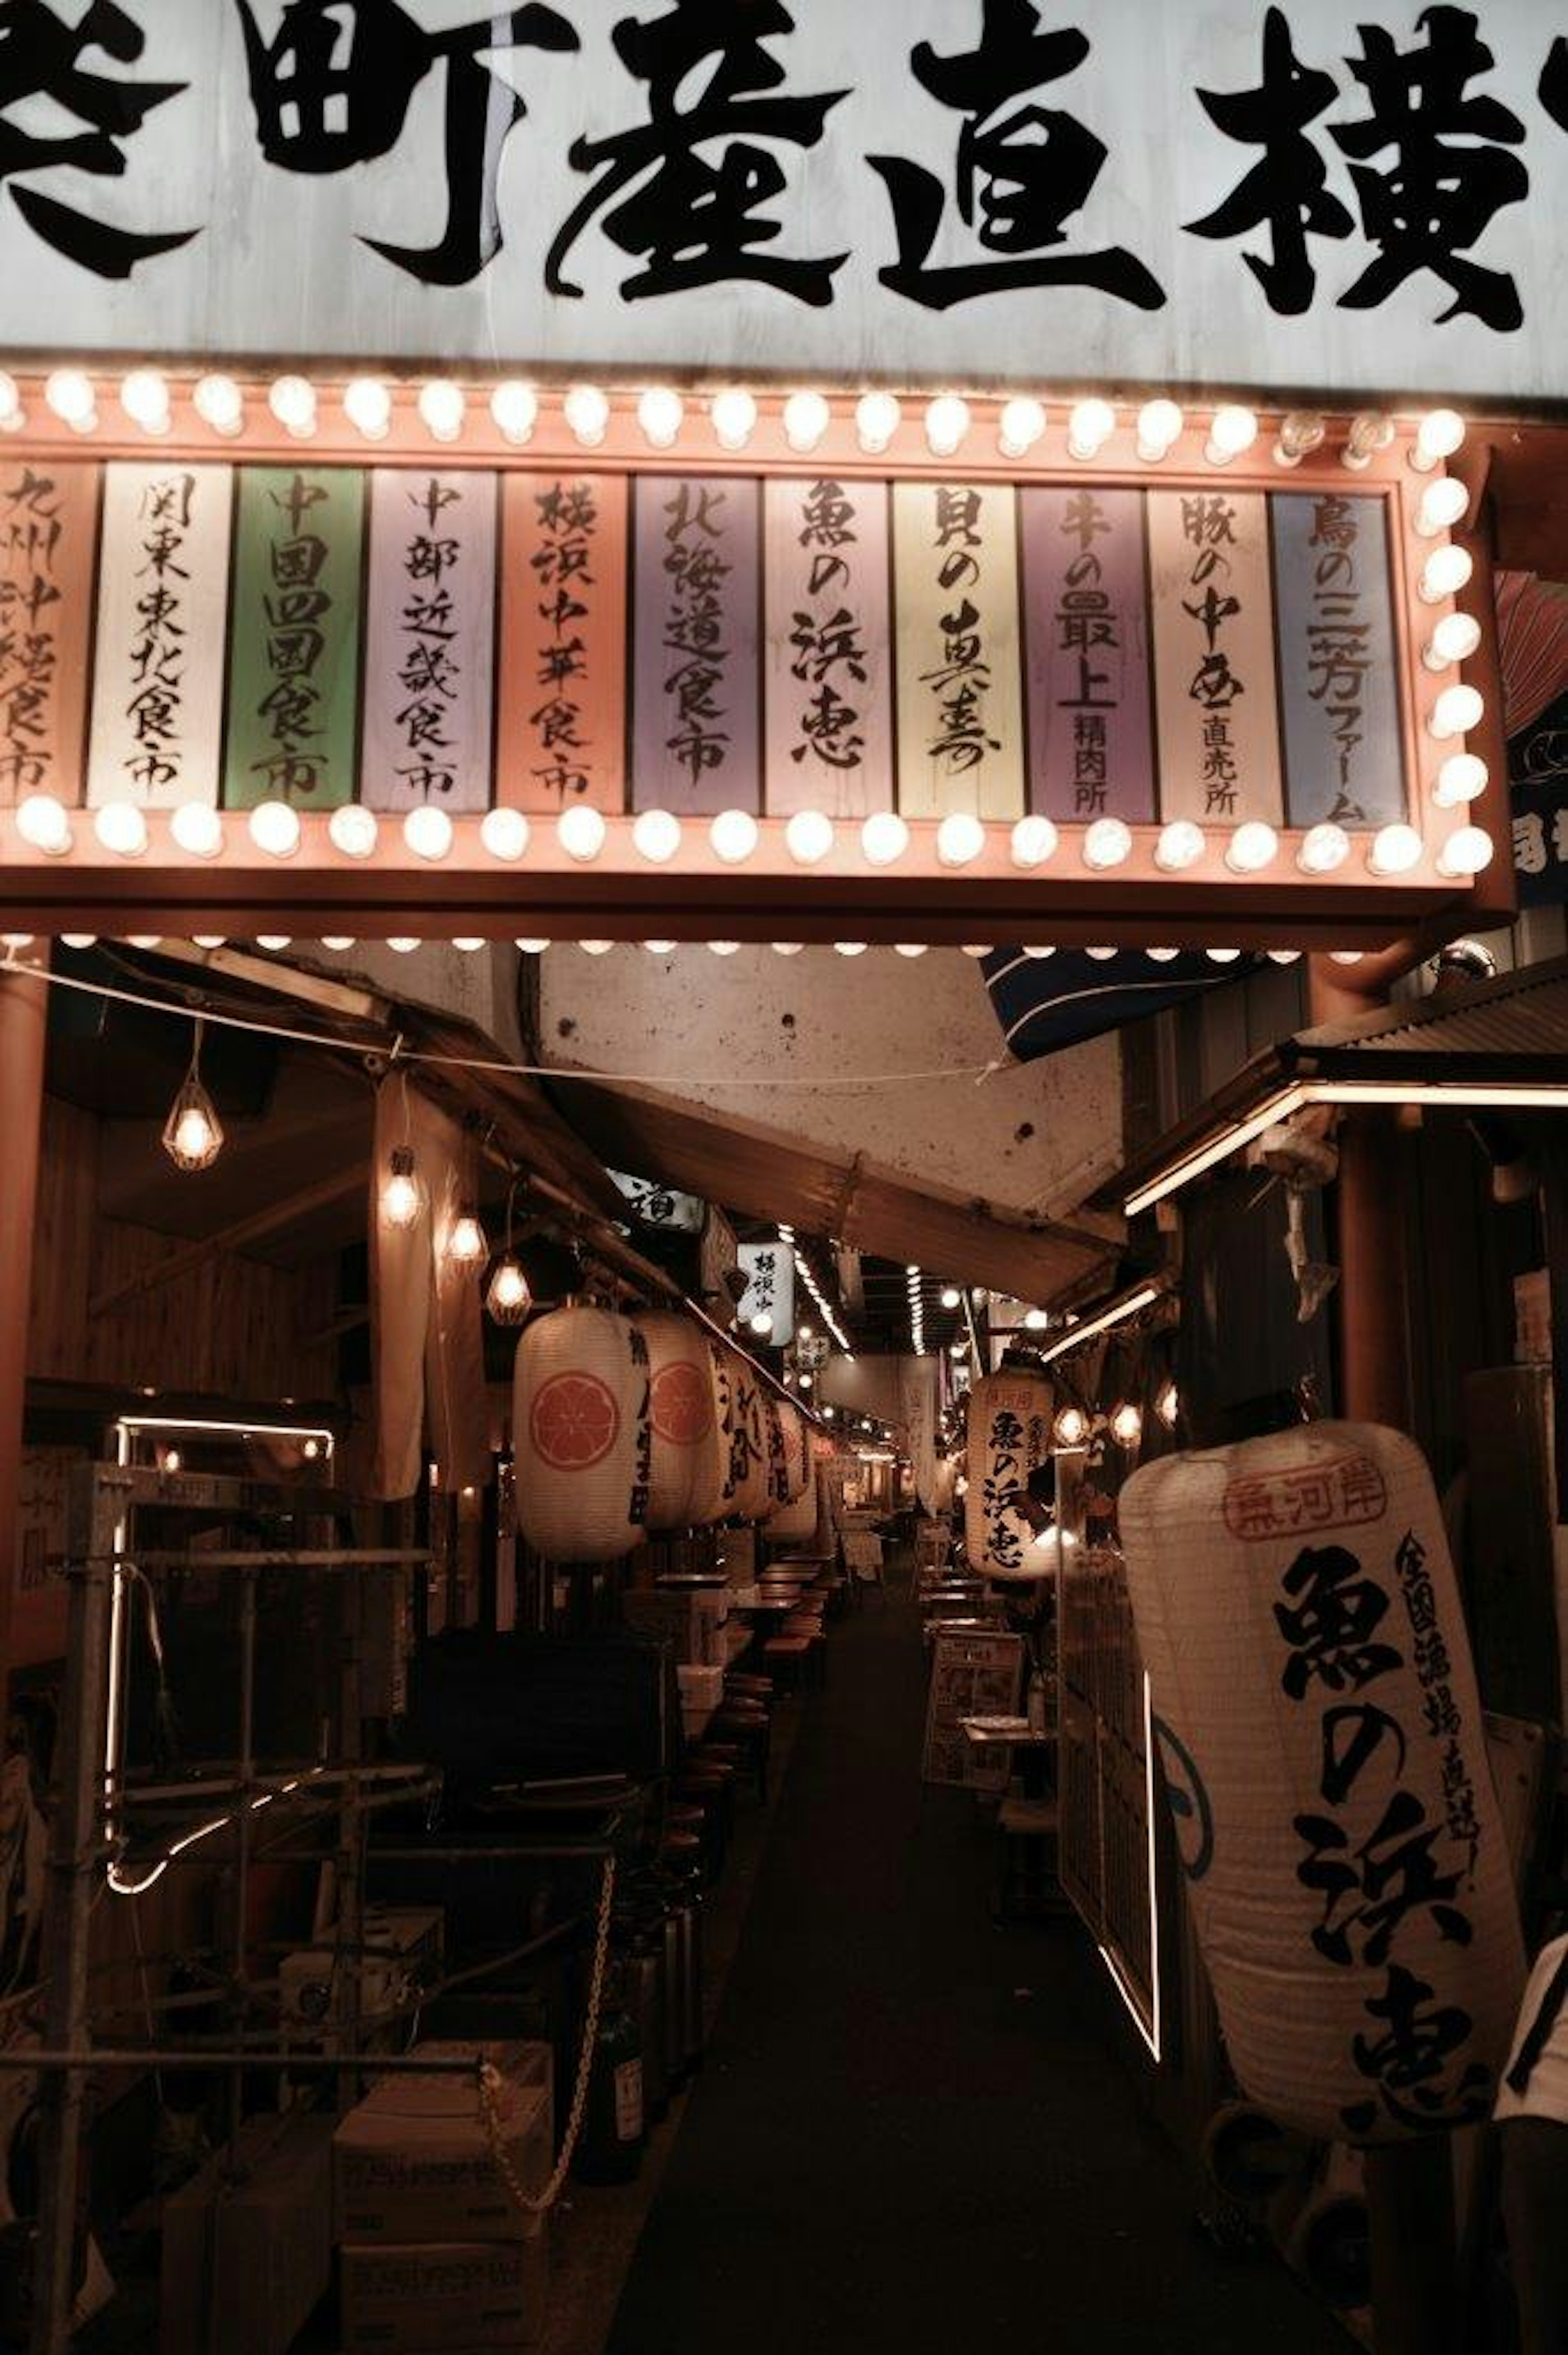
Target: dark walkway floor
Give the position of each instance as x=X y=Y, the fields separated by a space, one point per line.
x=912 y=2134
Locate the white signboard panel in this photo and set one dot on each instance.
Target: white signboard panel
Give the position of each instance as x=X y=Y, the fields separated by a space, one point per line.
x=1360 y=195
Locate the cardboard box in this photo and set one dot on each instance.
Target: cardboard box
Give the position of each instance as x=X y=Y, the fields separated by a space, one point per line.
x=465 y=2299
x=247 y=2242
x=413 y=2163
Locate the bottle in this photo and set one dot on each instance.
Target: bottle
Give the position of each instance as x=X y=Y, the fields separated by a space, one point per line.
x=614 y=2127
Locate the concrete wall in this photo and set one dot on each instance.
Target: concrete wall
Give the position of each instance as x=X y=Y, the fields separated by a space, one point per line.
x=778 y=1040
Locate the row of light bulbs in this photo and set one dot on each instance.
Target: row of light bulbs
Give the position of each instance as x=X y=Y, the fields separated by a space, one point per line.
x=275 y=828
x=809 y=1278
x=1073 y=1426
x=444 y=408
x=405 y=945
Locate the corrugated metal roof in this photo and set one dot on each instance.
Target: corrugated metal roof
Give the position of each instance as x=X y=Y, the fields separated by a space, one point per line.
x=1521 y=1018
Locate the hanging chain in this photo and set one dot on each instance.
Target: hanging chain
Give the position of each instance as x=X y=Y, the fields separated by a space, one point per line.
x=539 y=2203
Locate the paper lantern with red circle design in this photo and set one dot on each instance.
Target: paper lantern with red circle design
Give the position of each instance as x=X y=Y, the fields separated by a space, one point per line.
x=1315 y=1711
x=581 y=1437
x=680 y=1412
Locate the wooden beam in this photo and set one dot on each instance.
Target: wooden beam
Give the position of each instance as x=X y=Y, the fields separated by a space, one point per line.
x=250 y=1230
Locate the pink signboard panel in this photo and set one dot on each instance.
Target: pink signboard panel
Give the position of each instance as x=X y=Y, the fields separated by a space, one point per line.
x=1086 y=657
x=828 y=658
x=697 y=721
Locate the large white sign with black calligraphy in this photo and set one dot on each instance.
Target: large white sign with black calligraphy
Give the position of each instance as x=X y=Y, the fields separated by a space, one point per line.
x=1364 y=193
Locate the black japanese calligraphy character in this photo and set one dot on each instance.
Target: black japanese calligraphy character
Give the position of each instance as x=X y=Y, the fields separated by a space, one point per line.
x=1286 y=191
x=1330 y=1627
x=1353 y=1736
x=41 y=70
x=1392 y=1874
x=1553 y=88
x=333 y=90
x=1407 y=2062
x=1451 y=171
x=1022 y=172
x=684 y=192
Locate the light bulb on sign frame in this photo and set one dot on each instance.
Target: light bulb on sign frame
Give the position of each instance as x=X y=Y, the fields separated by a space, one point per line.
x=514 y=410
x=503 y=833
x=1454 y=640
x=220 y=404
x=196 y=829
x=43 y=824
x=1439 y=434
x=1232 y=430
x=1443 y=505
x=443 y=407
x=1159 y=424
x=1456 y=710
x=1445 y=572
x=877 y=418
x=1462 y=778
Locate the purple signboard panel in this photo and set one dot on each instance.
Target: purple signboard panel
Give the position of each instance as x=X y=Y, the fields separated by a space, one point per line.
x=828 y=661
x=1091 y=740
x=696 y=599
x=1345 y=748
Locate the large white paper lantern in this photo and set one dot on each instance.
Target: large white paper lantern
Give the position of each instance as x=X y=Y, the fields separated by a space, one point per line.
x=580 y=1435
x=1008 y=1438
x=749 y=1465
x=797 y=1451
x=1316 y=1720
x=794 y=1523
x=681 y=1415
x=712 y=1491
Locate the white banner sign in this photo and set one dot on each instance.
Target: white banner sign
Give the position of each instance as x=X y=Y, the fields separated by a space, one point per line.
x=770 y=1270
x=162 y=617
x=1362 y=195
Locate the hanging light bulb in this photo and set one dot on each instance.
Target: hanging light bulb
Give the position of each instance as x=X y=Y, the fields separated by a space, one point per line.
x=466 y=1245
x=1167 y=1406
x=507 y=1298
x=1127 y=1425
x=402 y=1196
x=193 y=1133
x=1072 y=1427
x=761 y=1323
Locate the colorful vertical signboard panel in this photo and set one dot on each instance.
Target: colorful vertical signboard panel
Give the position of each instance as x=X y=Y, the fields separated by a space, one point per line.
x=293 y=663
x=562 y=716
x=828 y=665
x=1344 y=749
x=1213 y=657
x=1091 y=739
x=960 y=705
x=162 y=618
x=48 y=524
x=697 y=721
x=430 y=640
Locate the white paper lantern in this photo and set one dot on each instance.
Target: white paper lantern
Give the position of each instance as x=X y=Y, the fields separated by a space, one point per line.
x=712 y=1491
x=1009 y=1435
x=797 y=1453
x=681 y=1411
x=1316 y=1720
x=581 y=1436
x=796 y=1522
x=749 y=1481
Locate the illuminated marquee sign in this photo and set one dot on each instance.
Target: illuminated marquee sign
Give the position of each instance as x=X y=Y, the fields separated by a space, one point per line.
x=1093 y=688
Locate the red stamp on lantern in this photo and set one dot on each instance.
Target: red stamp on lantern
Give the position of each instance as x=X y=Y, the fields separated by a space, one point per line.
x=1341 y=1492
x=681 y=1403
x=575 y=1421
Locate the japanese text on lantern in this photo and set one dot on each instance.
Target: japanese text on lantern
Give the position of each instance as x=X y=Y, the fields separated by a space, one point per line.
x=1384 y=1871
x=960 y=723
x=1344 y=752
x=563 y=645
x=163 y=609
x=696 y=723
x=48 y=517
x=428 y=640
x=294 y=637
x=1087 y=653
x=827 y=676
x=1213 y=648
